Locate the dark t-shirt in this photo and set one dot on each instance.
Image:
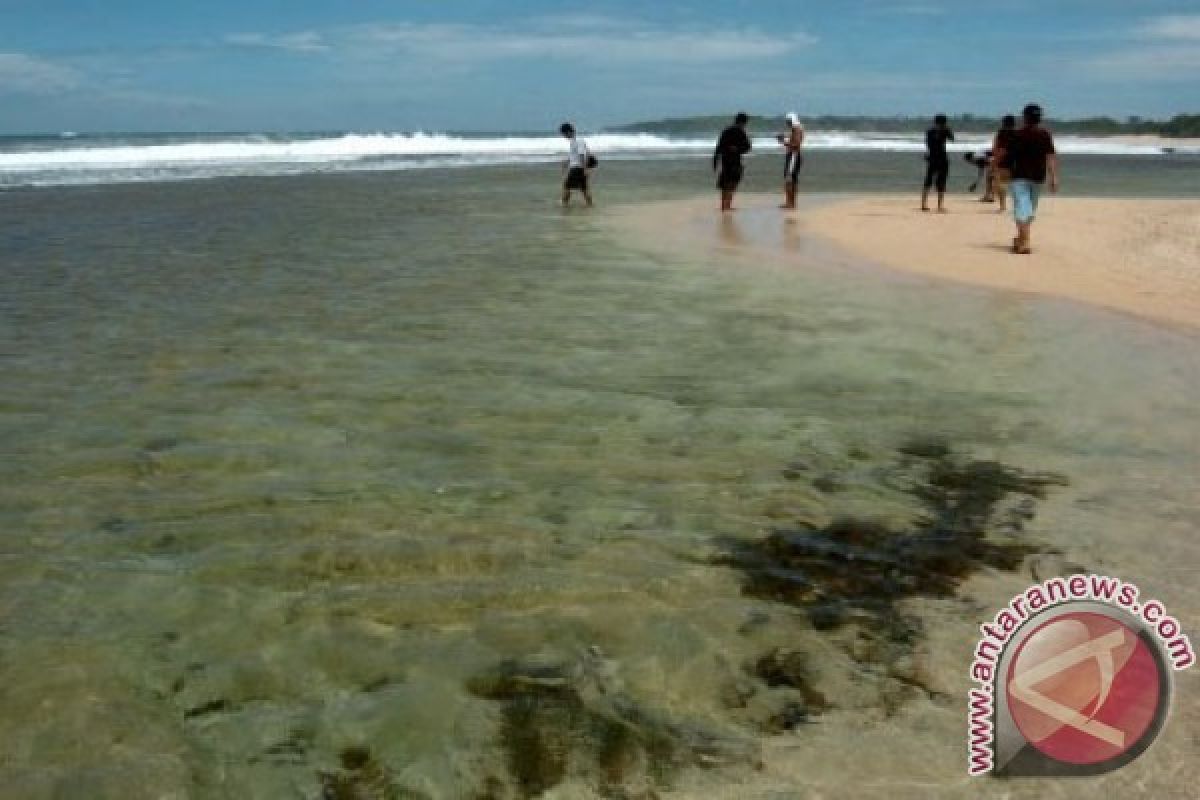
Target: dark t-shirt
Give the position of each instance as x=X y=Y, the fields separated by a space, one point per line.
x=935 y=142
x=1027 y=154
x=731 y=146
x=1004 y=140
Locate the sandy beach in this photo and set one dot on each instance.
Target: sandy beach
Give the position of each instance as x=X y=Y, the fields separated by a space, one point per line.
x=1132 y=255
x=1138 y=256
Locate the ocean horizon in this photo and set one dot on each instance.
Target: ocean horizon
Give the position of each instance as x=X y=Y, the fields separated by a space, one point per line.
x=71 y=159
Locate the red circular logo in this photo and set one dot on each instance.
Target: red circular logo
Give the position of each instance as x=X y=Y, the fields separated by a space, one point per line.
x=1084 y=688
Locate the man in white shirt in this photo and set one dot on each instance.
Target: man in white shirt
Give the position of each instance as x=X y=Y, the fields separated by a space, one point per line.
x=579 y=160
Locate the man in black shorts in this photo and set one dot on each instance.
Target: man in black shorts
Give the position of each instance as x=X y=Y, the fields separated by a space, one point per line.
x=576 y=166
x=792 y=141
x=938 y=169
x=731 y=146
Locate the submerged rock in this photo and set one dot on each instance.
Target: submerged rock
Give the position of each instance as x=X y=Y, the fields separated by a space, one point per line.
x=570 y=720
x=362 y=778
x=791 y=669
x=925 y=447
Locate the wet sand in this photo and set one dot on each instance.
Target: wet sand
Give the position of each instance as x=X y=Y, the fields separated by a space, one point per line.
x=1137 y=256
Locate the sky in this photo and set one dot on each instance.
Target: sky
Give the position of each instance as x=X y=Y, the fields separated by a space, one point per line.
x=486 y=65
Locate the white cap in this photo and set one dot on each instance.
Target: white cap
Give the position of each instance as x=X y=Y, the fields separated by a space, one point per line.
x=792 y=118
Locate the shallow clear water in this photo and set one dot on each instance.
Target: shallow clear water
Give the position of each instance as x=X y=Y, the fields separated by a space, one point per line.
x=289 y=464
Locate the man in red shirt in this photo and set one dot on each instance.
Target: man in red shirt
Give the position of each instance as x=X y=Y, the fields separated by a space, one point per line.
x=1031 y=158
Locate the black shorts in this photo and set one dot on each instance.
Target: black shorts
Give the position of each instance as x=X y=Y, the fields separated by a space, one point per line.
x=936 y=173
x=791 y=168
x=729 y=177
x=576 y=179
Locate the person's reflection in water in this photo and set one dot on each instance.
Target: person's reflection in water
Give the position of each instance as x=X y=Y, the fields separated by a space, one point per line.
x=730 y=232
x=791 y=234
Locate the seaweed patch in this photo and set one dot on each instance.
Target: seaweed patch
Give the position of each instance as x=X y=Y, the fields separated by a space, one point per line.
x=561 y=720
x=850 y=576
x=362 y=777
x=855 y=566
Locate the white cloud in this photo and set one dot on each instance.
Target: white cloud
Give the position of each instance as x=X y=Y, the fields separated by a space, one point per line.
x=1163 y=49
x=24 y=74
x=301 y=42
x=1177 y=27
x=1167 y=49
x=592 y=39
x=83 y=85
x=1164 y=62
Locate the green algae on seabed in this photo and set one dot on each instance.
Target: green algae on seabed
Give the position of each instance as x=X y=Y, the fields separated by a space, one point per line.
x=562 y=720
x=851 y=574
x=861 y=565
x=362 y=778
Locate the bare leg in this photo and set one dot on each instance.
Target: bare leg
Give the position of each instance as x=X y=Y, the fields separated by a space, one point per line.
x=941 y=201
x=924 y=199
x=587 y=195
x=789 y=195
x=1021 y=243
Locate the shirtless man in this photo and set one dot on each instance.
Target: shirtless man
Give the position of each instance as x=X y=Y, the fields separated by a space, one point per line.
x=792 y=140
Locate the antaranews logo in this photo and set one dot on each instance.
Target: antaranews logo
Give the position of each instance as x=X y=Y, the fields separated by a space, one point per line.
x=1074 y=678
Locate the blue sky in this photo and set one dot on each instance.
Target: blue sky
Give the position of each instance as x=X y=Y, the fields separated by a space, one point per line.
x=93 y=65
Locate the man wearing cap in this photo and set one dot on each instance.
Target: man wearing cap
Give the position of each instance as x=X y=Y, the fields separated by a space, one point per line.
x=1031 y=158
x=792 y=140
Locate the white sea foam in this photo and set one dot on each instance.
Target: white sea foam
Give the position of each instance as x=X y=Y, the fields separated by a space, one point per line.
x=85 y=161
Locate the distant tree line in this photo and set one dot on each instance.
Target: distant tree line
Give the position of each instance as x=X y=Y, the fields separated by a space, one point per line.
x=1179 y=126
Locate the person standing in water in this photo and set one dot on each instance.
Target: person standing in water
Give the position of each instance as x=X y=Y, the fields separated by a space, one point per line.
x=576 y=166
x=938 y=168
x=1001 y=173
x=1032 y=159
x=792 y=141
x=727 y=159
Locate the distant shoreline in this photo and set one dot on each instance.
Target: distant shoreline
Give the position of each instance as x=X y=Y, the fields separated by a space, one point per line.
x=1180 y=126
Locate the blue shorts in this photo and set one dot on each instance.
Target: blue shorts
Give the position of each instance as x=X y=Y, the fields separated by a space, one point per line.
x=1025 y=199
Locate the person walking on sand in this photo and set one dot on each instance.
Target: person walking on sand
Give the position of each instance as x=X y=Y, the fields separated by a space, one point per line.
x=1032 y=159
x=937 y=170
x=727 y=158
x=575 y=168
x=1001 y=172
x=792 y=140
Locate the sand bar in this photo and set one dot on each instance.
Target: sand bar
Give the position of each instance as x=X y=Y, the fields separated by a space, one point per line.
x=1139 y=256
x=1132 y=255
